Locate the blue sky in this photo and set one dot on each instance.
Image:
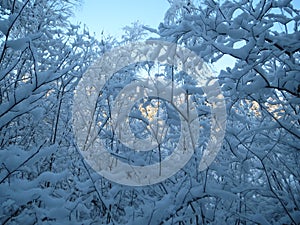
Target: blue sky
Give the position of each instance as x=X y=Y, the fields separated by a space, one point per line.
x=112 y=15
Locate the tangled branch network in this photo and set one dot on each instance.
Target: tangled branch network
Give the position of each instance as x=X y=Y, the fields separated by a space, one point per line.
x=91 y=85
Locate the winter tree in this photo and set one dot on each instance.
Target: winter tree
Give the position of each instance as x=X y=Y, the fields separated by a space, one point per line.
x=42 y=56
x=259 y=164
x=253 y=180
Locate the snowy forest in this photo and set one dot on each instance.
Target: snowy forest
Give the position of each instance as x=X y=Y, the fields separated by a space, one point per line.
x=255 y=177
